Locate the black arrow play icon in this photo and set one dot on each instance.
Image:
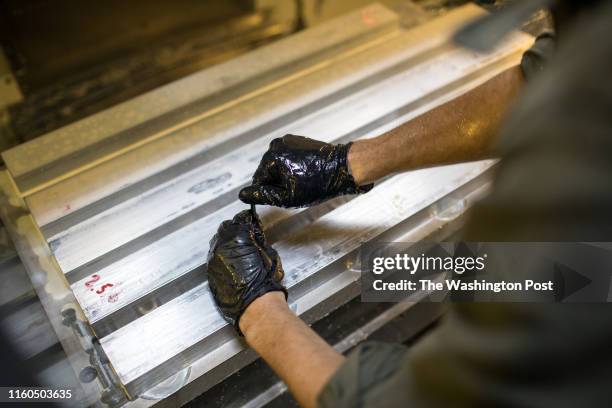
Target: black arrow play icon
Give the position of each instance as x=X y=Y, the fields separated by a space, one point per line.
x=567 y=281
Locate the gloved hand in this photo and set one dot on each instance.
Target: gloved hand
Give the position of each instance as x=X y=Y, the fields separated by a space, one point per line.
x=297 y=171
x=242 y=266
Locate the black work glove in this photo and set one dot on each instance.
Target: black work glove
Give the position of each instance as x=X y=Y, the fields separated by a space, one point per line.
x=242 y=266
x=297 y=171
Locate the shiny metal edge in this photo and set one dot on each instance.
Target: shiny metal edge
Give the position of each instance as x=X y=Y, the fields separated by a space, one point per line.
x=48 y=282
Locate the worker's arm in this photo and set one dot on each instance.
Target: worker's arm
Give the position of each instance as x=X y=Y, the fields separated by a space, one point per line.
x=298 y=171
x=461 y=130
x=302 y=359
x=244 y=275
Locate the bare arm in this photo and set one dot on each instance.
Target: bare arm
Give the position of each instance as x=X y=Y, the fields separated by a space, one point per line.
x=303 y=360
x=460 y=130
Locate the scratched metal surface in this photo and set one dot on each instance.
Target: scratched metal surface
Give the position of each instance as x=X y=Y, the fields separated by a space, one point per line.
x=305 y=253
x=205 y=179
x=197 y=192
x=129 y=224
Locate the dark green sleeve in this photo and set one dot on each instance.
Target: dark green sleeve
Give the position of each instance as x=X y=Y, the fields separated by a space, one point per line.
x=367 y=367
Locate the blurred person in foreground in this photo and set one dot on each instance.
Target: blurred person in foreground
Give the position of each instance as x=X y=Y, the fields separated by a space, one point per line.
x=554 y=183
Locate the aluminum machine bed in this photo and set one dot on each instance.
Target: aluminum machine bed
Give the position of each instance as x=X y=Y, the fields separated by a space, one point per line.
x=112 y=215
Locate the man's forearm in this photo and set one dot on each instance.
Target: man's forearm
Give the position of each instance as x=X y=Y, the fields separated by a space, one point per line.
x=460 y=130
x=302 y=359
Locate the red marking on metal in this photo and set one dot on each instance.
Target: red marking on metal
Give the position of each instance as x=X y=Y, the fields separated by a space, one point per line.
x=368 y=18
x=104 y=287
x=113 y=298
x=94 y=279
